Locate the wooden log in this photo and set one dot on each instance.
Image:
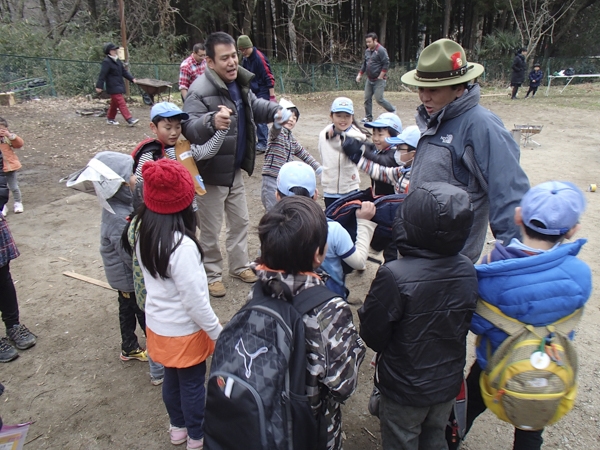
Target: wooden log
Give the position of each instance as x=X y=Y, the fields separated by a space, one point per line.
x=7 y=99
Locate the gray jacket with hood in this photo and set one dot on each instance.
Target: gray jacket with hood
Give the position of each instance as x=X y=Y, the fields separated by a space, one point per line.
x=206 y=93
x=467 y=145
x=117 y=262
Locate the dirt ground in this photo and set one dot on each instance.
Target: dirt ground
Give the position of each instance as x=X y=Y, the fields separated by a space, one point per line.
x=72 y=385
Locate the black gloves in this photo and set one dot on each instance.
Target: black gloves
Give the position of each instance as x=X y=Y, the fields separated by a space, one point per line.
x=353 y=149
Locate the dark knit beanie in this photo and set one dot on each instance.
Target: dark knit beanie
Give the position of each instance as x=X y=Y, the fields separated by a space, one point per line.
x=168 y=186
x=244 y=42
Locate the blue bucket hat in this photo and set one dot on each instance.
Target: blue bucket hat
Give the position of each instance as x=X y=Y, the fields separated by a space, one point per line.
x=386 y=120
x=410 y=135
x=167 y=109
x=557 y=205
x=296 y=174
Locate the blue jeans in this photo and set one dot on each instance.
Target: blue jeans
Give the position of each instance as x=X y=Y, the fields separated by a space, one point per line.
x=262 y=133
x=13 y=185
x=376 y=88
x=184 y=396
x=157 y=370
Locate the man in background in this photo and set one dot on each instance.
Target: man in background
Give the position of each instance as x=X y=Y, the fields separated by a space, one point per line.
x=191 y=68
x=375 y=65
x=263 y=83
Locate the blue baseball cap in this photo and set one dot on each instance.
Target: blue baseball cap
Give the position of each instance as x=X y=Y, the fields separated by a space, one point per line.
x=557 y=205
x=386 y=120
x=342 y=104
x=410 y=135
x=296 y=174
x=167 y=109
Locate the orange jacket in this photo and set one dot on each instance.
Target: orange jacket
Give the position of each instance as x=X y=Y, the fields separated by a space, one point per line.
x=11 y=162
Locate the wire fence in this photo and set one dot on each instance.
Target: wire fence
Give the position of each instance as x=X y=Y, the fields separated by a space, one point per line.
x=35 y=77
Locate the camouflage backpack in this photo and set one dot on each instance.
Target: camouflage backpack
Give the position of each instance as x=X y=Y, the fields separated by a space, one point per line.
x=256 y=394
x=531 y=379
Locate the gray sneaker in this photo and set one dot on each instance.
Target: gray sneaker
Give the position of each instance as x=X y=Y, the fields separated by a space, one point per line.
x=112 y=122
x=21 y=337
x=131 y=122
x=7 y=351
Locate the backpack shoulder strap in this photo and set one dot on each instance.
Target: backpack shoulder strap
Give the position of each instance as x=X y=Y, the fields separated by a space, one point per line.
x=512 y=326
x=310 y=298
x=496 y=317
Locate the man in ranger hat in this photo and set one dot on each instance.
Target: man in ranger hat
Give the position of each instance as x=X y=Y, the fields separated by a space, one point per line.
x=465 y=144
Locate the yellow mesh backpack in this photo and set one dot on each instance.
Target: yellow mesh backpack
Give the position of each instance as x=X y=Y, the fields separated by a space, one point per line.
x=531 y=379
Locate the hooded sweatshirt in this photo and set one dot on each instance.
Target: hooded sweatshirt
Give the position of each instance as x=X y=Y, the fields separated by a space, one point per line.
x=117 y=262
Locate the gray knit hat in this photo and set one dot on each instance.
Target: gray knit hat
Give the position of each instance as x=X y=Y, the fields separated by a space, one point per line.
x=244 y=42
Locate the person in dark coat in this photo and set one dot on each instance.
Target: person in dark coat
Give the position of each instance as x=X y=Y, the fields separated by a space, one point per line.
x=417 y=314
x=535 y=79
x=518 y=72
x=112 y=73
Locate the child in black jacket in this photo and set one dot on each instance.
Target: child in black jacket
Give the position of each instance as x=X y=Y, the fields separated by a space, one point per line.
x=417 y=314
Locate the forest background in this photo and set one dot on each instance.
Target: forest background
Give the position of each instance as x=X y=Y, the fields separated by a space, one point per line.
x=54 y=47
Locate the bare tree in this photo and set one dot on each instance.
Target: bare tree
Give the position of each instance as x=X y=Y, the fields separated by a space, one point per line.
x=538 y=18
x=298 y=9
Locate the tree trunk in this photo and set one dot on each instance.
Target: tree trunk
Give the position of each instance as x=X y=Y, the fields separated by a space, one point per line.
x=383 y=26
x=45 y=18
x=293 y=39
x=93 y=9
x=447 y=14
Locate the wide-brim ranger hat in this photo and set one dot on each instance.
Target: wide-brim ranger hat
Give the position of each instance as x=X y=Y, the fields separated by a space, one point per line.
x=442 y=63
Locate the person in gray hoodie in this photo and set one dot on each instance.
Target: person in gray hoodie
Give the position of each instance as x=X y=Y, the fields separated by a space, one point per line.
x=118 y=265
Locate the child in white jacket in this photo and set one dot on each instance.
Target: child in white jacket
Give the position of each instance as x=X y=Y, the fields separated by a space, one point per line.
x=340 y=175
x=181 y=326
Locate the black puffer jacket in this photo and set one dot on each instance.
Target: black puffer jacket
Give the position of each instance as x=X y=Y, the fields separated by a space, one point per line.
x=518 y=69
x=419 y=308
x=112 y=73
x=206 y=93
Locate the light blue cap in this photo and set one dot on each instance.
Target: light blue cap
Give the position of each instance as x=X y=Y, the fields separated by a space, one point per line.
x=342 y=104
x=386 y=120
x=167 y=109
x=557 y=205
x=410 y=135
x=296 y=174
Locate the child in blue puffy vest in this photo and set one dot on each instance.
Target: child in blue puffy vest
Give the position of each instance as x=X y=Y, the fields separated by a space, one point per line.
x=537 y=281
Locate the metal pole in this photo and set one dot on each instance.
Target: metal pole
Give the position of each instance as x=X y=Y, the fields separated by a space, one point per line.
x=124 y=41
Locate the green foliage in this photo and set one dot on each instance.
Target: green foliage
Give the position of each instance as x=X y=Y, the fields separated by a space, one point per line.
x=499 y=44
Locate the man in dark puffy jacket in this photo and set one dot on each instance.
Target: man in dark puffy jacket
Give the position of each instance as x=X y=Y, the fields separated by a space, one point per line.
x=112 y=73
x=417 y=315
x=263 y=83
x=225 y=84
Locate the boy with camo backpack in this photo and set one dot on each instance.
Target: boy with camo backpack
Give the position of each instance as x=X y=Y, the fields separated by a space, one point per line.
x=272 y=401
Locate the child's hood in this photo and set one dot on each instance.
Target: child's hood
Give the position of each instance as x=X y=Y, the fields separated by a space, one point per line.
x=434 y=220
x=119 y=163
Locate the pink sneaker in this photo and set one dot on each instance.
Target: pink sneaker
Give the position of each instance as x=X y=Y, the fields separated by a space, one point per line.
x=178 y=435
x=195 y=444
